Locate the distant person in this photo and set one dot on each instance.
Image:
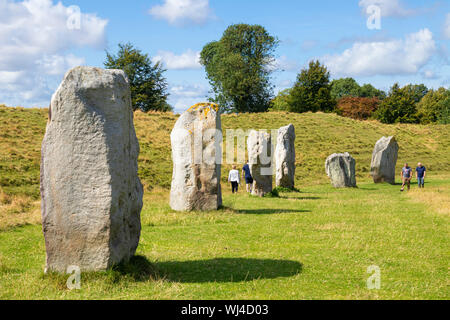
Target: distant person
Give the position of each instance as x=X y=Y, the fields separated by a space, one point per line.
x=248 y=177
x=235 y=179
x=421 y=173
x=406 y=177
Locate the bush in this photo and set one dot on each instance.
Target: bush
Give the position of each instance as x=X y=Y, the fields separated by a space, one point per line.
x=357 y=108
x=433 y=106
x=398 y=107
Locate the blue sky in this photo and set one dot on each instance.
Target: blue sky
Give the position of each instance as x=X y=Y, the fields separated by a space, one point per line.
x=412 y=45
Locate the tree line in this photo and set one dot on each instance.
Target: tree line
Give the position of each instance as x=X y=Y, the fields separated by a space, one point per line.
x=239 y=68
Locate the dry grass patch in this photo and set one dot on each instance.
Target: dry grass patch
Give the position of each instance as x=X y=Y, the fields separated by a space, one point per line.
x=436 y=198
x=18 y=210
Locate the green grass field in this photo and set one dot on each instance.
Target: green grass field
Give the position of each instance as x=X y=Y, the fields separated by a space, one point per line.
x=316 y=244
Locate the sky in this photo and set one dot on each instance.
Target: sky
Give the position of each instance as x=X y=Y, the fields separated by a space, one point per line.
x=374 y=41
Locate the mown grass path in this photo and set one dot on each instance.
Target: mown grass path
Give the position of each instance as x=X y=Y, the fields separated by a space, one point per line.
x=316 y=244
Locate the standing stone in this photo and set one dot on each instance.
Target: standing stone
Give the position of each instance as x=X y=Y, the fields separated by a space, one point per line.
x=384 y=160
x=260 y=161
x=90 y=190
x=340 y=167
x=285 y=157
x=197 y=156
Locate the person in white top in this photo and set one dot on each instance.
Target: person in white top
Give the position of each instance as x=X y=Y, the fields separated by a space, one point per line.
x=235 y=179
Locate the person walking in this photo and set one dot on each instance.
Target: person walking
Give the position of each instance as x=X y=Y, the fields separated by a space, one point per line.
x=235 y=179
x=406 y=177
x=421 y=173
x=248 y=177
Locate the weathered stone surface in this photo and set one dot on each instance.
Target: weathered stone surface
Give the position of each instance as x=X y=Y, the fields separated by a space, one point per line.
x=340 y=167
x=91 y=193
x=285 y=157
x=259 y=146
x=384 y=160
x=197 y=153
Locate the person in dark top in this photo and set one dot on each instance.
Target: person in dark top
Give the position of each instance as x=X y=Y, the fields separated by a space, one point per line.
x=406 y=177
x=421 y=173
x=248 y=177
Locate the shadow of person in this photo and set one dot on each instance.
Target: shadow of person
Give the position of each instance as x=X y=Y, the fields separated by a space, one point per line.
x=227 y=270
x=213 y=270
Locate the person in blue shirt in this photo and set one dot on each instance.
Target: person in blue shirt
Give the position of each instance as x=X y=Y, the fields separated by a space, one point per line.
x=248 y=177
x=421 y=173
x=407 y=175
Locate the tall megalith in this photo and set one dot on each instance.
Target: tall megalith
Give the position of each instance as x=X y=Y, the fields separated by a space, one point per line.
x=197 y=157
x=384 y=160
x=259 y=146
x=341 y=169
x=285 y=157
x=90 y=190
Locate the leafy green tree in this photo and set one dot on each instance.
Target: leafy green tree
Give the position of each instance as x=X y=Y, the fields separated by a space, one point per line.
x=147 y=83
x=399 y=106
x=417 y=91
x=344 y=87
x=432 y=105
x=238 y=68
x=444 y=107
x=312 y=91
x=281 y=101
x=369 y=91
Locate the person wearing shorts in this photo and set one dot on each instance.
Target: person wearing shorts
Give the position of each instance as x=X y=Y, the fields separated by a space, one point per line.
x=235 y=180
x=248 y=177
x=406 y=177
x=421 y=173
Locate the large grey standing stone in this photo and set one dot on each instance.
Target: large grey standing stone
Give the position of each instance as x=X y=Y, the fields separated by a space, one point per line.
x=90 y=190
x=285 y=157
x=384 y=160
x=340 y=167
x=197 y=154
x=259 y=146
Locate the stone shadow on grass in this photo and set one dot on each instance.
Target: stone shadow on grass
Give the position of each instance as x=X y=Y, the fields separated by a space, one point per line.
x=224 y=270
x=301 y=198
x=264 y=211
x=270 y=211
x=219 y=270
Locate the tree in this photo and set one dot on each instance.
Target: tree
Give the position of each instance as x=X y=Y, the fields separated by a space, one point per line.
x=369 y=91
x=444 y=107
x=238 y=68
x=344 y=87
x=312 y=91
x=357 y=107
x=147 y=83
x=399 y=106
x=281 y=101
x=416 y=91
x=432 y=105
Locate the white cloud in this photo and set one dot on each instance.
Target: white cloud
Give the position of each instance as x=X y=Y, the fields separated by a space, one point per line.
x=185 y=95
x=187 y=60
x=181 y=12
x=35 y=47
x=388 y=7
x=393 y=57
x=447 y=27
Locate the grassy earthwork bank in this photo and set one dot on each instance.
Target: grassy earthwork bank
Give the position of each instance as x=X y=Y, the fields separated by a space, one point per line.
x=314 y=244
